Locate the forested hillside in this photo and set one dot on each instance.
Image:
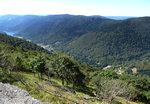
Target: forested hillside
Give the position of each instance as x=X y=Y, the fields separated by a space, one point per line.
x=58 y=78
x=52 y=28
x=115 y=43
x=4 y=38
x=95 y=40
x=29 y=69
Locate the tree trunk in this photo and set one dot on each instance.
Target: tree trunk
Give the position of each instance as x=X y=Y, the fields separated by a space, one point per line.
x=62 y=81
x=48 y=75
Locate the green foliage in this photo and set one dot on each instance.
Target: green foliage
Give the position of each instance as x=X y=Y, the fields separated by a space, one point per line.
x=39 y=65
x=88 y=39
x=142 y=83
x=147 y=94
x=4 y=38
x=103 y=48
x=67 y=70
x=108 y=89
x=91 y=40
x=5 y=78
x=5 y=63
x=52 y=65
x=104 y=73
x=143 y=67
x=135 y=87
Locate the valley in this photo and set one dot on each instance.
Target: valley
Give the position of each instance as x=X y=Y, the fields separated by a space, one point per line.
x=89 y=39
x=67 y=59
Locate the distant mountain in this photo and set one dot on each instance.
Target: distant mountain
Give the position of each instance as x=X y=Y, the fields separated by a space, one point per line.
x=96 y=40
x=9 y=22
x=120 y=17
x=52 y=28
x=118 y=42
x=114 y=17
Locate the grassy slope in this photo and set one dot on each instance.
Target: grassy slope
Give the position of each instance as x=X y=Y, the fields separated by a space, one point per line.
x=56 y=93
x=40 y=89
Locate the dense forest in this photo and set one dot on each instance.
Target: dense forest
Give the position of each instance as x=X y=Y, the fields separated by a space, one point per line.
x=95 y=40
x=115 y=43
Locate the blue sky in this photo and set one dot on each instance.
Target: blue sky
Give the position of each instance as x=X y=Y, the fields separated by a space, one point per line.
x=78 y=7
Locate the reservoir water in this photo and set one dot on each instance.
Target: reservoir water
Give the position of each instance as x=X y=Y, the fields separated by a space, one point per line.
x=12 y=34
x=9 y=33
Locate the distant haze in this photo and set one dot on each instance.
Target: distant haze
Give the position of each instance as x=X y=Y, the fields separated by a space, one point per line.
x=80 y=7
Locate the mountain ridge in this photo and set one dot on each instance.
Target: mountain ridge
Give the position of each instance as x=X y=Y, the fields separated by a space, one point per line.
x=63 y=32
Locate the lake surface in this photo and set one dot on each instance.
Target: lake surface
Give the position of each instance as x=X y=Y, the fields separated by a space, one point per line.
x=12 y=34
x=9 y=33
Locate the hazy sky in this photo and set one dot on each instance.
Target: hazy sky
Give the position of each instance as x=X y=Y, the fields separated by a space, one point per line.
x=80 y=7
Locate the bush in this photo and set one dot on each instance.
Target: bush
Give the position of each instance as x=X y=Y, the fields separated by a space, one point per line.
x=108 y=89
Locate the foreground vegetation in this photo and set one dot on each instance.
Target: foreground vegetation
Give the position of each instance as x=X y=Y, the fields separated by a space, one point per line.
x=59 y=79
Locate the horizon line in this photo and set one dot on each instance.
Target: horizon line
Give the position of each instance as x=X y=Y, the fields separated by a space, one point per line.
x=74 y=15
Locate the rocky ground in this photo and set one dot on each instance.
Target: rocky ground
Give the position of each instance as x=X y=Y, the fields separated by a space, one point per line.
x=10 y=94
